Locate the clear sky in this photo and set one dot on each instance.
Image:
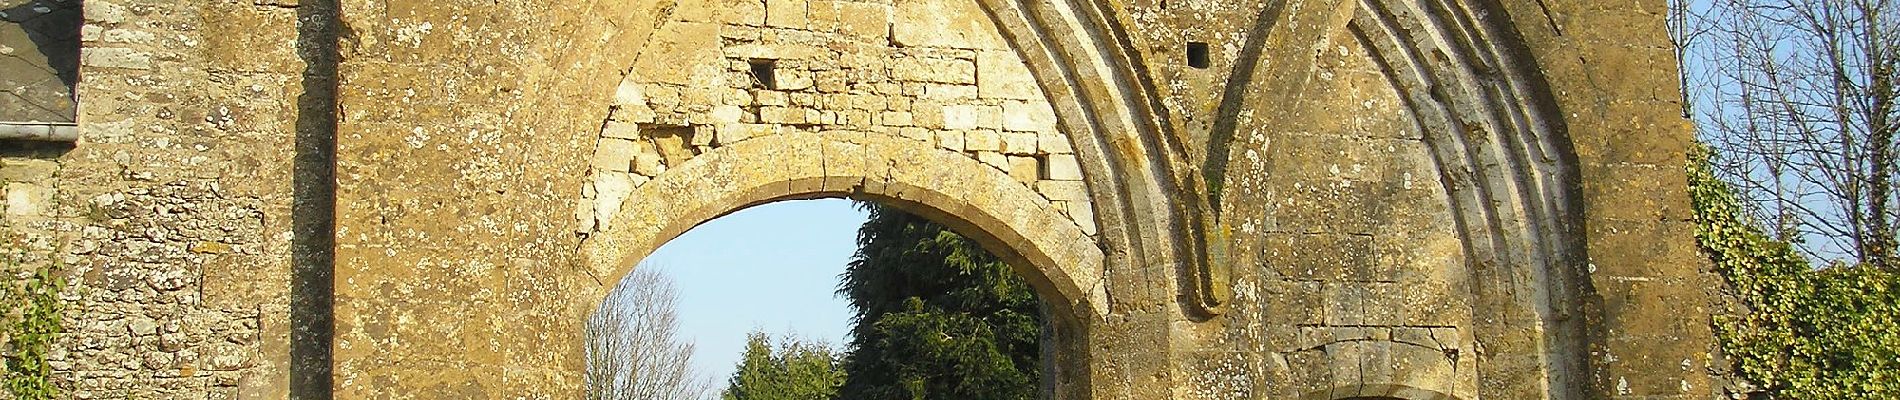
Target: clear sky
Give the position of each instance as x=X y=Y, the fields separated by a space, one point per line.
x=772 y=267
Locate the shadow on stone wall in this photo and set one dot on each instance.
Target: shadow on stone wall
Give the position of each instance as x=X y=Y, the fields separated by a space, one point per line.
x=313 y=210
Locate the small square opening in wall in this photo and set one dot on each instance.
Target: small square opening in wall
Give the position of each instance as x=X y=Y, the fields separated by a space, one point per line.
x=765 y=72
x=1197 y=55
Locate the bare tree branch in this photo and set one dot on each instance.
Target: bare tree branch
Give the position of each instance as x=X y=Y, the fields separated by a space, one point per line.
x=1799 y=98
x=634 y=350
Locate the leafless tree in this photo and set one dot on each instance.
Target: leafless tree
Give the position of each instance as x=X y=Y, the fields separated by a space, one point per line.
x=634 y=351
x=1798 y=99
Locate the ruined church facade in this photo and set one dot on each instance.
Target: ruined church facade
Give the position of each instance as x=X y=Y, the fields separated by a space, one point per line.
x=1259 y=199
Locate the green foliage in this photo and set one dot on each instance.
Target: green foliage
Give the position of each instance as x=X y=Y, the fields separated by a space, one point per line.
x=937 y=316
x=33 y=320
x=794 y=370
x=1805 y=333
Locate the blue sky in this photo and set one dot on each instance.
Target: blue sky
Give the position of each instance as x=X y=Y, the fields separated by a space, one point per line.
x=771 y=267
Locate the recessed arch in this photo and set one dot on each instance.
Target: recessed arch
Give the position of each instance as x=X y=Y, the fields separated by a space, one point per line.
x=1501 y=151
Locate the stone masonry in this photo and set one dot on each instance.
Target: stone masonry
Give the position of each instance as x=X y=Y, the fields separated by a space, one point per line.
x=1260 y=199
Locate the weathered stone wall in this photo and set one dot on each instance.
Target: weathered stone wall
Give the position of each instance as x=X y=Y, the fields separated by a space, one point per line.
x=931 y=71
x=1358 y=142
x=171 y=218
x=1412 y=199
x=467 y=286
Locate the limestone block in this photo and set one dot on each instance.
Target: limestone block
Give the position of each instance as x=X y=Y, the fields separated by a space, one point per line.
x=647 y=160
x=803 y=99
x=870 y=21
x=928 y=115
x=742 y=12
x=982 y=140
x=949 y=91
x=959 y=116
x=898 y=103
x=685 y=53
x=1028 y=117
x=629 y=93
x=1063 y=167
x=611 y=189
x=781 y=115
x=918 y=134
x=792 y=14
x=1019 y=143
x=989 y=117
x=697 y=98
x=105 y=12
x=1326 y=257
x=28 y=199
x=639 y=113
x=1384 y=303
x=1063 y=190
x=867 y=102
x=734 y=133
x=994 y=159
x=934 y=70
x=770 y=98
x=792 y=79
x=1001 y=75
x=1052 y=143
x=27 y=170
x=1083 y=212
x=702 y=137
x=620 y=130
x=128 y=36
x=823 y=16
x=1421 y=366
x=660 y=95
x=1310 y=369
x=726 y=114
x=1024 y=169
x=772 y=51
x=947 y=24
x=584 y=215
x=736 y=96
x=952 y=140
x=830 y=81
x=895 y=118
x=889 y=88
x=672 y=144
x=114 y=57
x=613 y=154
x=854 y=118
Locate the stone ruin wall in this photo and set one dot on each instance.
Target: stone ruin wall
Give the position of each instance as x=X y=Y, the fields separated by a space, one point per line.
x=176 y=203
x=173 y=216
x=937 y=72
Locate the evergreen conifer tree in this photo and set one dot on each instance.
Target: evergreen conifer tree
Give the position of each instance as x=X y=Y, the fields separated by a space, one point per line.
x=937 y=317
x=794 y=370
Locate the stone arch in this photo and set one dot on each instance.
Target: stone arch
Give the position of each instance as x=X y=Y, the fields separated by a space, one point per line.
x=1465 y=75
x=1007 y=218
x=1511 y=172
x=694 y=90
x=1503 y=156
x=1507 y=165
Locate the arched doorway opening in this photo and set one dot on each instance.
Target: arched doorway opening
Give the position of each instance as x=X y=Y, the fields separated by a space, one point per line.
x=1005 y=217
